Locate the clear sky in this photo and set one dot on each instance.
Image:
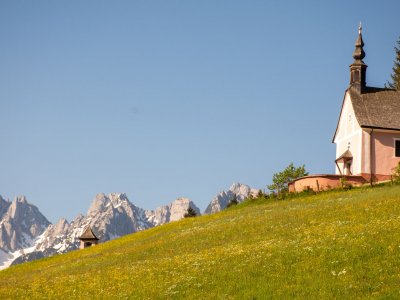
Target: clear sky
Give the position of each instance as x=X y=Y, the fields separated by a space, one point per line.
x=167 y=99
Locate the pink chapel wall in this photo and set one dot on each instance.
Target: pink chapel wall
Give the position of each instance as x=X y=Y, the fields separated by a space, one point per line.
x=377 y=157
x=383 y=153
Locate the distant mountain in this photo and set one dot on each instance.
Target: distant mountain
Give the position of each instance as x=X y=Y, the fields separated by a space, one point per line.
x=172 y=212
x=114 y=215
x=25 y=234
x=20 y=224
x=110 y=216
x=237 y=190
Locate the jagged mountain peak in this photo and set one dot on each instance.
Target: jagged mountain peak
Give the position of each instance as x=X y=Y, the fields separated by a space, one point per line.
x=98 y=204
x=242 y=191
x=117 y=197
x=101 y=202
x=238 y=191
x=20 y=199
x=20 y=224
x=110 y=216
x=180 y=200
x=171 y=212
x=60 y=227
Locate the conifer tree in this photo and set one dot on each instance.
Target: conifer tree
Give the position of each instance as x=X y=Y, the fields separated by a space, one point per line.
x=190 y=213
x=233 y=201
x=394 y=83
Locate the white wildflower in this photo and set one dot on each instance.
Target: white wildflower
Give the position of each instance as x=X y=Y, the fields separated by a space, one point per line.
x=343 y=272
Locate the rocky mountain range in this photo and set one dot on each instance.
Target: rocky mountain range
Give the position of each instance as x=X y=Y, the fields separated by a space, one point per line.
x=20 y=222
x=25 y=234
x=237 y=191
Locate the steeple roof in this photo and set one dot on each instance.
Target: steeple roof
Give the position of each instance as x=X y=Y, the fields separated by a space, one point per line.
x=359 y=53
x=345 y=156
x=358 y=69
x=88 y=234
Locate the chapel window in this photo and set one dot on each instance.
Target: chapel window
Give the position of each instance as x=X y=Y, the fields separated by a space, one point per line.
x=397 y=148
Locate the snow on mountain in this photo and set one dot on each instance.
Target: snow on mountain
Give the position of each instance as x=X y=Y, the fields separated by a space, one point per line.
x=25 y=234
x=237 y=190
x=114 y=216
x=171 y=212
x=109 y=216
x=5 y=259
x=20 y=224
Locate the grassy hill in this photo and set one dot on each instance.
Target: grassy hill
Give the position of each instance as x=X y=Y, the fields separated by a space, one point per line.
x=332 y=245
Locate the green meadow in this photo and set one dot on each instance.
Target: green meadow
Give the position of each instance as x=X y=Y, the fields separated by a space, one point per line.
x=337 y=244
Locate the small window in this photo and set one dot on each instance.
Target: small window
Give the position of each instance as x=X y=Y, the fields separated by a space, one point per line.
x=356 y=76
x=350 y=118
x=397 y=148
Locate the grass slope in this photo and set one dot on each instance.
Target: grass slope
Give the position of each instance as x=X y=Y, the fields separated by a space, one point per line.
x=333 y=245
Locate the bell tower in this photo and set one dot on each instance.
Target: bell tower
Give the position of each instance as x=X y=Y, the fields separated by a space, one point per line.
x=358 y=68
x=88 y=238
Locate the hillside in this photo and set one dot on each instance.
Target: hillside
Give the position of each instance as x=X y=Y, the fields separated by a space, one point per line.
x=333 y=245
x=26 y=235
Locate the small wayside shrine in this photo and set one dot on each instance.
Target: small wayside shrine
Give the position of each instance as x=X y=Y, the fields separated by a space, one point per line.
x=88 y=238
x=367 y=134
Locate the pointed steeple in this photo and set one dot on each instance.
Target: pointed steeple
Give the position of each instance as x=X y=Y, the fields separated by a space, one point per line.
x=359 y=53
x=88 y=238
x=358 y=68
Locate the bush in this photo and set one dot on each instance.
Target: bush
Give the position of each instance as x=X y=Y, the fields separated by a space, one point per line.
x=190 y=213
x=281 y=180
x=396 y=174
x=345 y=184
x=233 y=201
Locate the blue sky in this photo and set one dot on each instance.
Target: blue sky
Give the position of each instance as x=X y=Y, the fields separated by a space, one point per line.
x=167 y=99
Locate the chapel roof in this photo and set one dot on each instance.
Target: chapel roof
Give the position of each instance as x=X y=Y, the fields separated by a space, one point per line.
x=377 y=108
x=345 y=156
x=88 y=234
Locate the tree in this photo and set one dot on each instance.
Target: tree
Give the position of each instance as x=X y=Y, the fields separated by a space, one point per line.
x=396 y=174
x=394 y=83
x=233 y=201
x=280 y=180
x=190 y=213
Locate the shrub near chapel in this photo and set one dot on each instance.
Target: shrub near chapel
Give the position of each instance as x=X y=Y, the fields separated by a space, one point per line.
x=281 y=180
x=396 y=173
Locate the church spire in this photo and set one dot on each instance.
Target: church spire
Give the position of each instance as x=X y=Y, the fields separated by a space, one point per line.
x=358 y=68
x=359 y=53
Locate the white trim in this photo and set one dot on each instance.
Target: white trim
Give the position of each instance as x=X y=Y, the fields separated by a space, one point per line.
x=367 y=148
x=360 y=151
x=349 y=136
